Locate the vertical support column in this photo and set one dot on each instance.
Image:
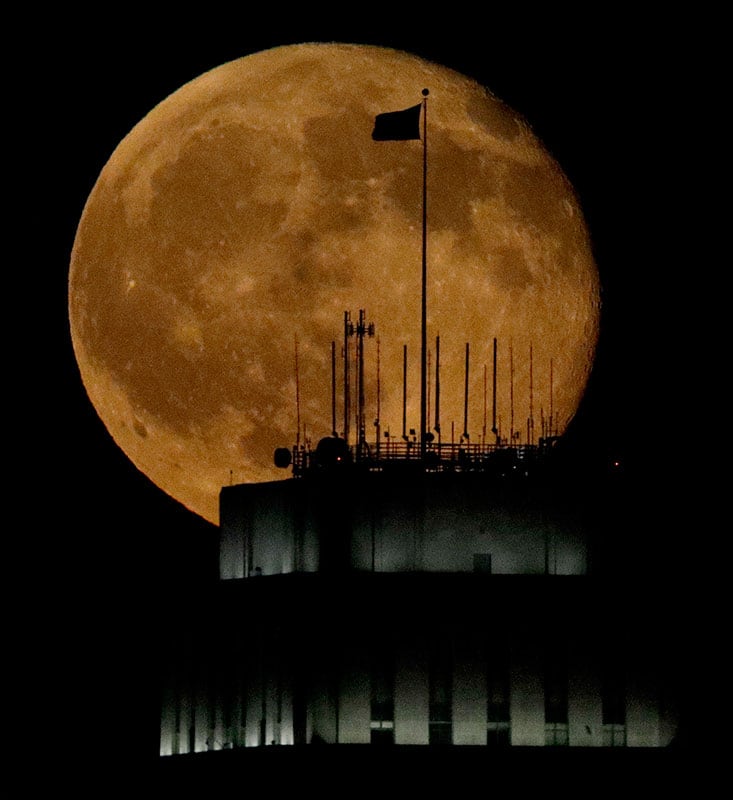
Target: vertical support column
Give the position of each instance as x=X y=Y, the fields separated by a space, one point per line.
x=168 y=720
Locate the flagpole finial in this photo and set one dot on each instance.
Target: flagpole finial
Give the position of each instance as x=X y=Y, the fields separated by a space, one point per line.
x=425 y=92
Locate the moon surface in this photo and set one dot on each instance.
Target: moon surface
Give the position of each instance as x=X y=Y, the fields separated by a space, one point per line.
x=251 y=208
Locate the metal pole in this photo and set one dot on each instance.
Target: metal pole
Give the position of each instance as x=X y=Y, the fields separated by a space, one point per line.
x=333 y=389
x=494 y=429
x=347 y=409
x=465 y=401
x=423 y=359
x=437 y=388
x=404 y=392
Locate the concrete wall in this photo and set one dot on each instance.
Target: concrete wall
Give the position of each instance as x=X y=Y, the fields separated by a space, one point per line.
x=469 y=691
x=278 y=528
x=585 y=706
x=246 y=669
x=411 y=701
x=354 y=697
x=527 y=699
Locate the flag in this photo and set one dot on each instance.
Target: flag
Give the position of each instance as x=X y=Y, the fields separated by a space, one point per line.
x=397 y=125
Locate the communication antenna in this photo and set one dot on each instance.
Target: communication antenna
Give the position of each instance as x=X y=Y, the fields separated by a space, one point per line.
x=494 y=429
x=530 y=427
x=348 y=331
x=427 y=401
x=377 y=421
x=437 y=387
x=362 y=329
x=483 y=426
x=333 y=389
x=511 y=393
x=404 y=392
x=465 y=400
x=551 y=410
x=297 y=395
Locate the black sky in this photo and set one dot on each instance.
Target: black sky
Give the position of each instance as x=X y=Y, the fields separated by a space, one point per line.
x=605 y=95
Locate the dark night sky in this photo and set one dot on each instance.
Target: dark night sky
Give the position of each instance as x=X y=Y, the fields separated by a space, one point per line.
x=605 y=98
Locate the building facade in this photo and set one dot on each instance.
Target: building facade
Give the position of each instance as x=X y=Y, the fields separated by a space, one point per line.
x=445 y=609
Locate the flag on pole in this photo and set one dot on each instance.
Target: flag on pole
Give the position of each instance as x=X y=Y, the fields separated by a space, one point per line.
x=397 y=125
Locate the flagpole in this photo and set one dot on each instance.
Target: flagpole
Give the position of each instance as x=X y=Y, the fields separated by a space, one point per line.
x=423 y=353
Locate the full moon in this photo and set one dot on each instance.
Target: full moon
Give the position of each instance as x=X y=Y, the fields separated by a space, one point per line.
x=234 y=225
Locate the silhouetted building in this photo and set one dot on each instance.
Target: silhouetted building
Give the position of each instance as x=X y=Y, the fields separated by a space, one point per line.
x=386 y=603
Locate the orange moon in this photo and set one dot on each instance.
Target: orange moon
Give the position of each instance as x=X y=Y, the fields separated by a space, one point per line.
x=251 y=208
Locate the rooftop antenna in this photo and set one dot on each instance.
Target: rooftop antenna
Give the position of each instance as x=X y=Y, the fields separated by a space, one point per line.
x=297 y=395
x=530 y=431
x=404 y=392
x=423 y=365
x=348 y=331
x=465 y=400
x=362 y=329
x=551 y=410
x=377 y=421
x=511 y=393
x=494 y=429
x=437 y=387
x=483 y=427
x=428 y=394
x=333 y=390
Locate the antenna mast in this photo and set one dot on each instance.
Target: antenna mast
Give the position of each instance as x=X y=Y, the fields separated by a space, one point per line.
x=423 y=364
x=437 y=387
x=483 y=427
x=429 y=387
x=511 y=394
x=348 y=331
x=404 y=392
x=377 y=421
x=551 y=411
x=530 y=432
x=297 y=395
x=494 y=429
x=465 y=400
x=362 y=330
x=333 y=389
